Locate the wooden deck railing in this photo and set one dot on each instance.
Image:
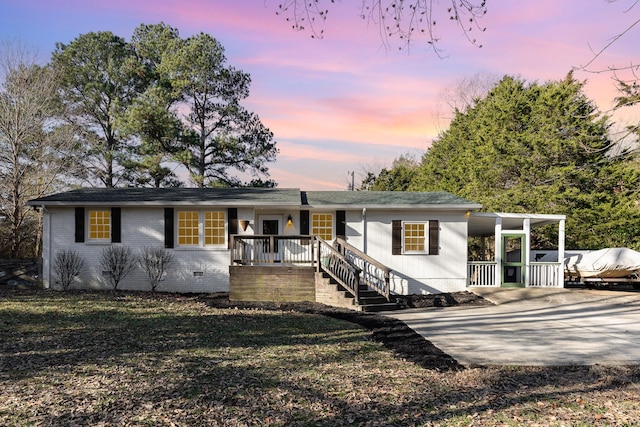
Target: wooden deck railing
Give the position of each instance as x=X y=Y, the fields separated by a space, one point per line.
x=337 y=266
x=269 y=249
x=374 y=274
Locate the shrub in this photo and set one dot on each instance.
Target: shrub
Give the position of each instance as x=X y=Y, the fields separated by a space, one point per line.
x=67 y=265
x=117 y=262
x=154 y=262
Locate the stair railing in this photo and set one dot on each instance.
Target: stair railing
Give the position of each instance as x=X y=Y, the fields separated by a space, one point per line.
x=339 y=268
x=374 y=274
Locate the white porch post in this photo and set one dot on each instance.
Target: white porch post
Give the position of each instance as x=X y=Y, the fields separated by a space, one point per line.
x=498 y=251
x=561 y=252
x=526 y=227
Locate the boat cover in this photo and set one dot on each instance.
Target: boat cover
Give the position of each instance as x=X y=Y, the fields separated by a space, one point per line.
x=605 y=263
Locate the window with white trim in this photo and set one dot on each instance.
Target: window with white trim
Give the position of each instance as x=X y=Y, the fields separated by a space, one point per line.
x=322 y=225
x=214 y=228
x=201 y=228
x=415 y=238
x=100 y=224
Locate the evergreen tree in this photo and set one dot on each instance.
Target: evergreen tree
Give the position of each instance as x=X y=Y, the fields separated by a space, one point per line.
x=538 y=148
x=99 y=82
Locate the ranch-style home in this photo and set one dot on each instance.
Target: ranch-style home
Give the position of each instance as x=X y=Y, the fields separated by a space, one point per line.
x=293 y=245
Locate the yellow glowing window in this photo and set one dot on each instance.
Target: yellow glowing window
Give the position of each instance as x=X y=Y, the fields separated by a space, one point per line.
x=100 y=225
x=415 y=237
x=214 y=228
x=188 y=230
x=322 y=225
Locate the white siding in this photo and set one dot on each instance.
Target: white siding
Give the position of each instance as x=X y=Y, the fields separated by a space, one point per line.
x=140 y=227
x=415 y=273
x=412 y=273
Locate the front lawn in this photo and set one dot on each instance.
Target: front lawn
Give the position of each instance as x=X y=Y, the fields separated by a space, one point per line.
x=103 y=358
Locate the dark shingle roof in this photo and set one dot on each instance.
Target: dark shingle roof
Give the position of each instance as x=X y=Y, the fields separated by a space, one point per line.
x=173 y=196
x=274 y=197
x=387 y=199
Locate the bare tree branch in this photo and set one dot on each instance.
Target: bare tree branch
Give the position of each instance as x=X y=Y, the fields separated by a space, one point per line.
x=404 y=20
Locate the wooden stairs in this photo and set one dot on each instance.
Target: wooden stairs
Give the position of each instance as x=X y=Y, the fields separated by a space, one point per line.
x=329 y=292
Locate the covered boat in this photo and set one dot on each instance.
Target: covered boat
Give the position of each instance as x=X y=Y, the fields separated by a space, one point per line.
x=609 y=263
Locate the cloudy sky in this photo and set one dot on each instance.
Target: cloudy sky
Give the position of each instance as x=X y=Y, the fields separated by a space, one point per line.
x=345 y=102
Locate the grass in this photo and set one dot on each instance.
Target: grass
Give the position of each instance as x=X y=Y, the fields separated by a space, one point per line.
x=134 y=359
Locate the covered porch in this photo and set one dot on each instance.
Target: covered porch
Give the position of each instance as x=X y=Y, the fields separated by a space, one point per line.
x=500 y=252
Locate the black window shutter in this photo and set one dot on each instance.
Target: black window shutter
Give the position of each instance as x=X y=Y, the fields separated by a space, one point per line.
x=168 y=227
x=116 y=225
x=341 y=224
x=79 y=232
x=304 y=223
x=434 y=237
x=233 y=223
x=396 y=237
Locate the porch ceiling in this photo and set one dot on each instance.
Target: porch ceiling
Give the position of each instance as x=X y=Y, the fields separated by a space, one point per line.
x=483 y=223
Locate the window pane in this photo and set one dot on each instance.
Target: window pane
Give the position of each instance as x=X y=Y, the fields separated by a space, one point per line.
x=214 y=228
x=188 y=228
x=322 y=226
x=414 y=237
x=100 y=225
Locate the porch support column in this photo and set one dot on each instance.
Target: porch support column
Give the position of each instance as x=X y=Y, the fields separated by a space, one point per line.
x=498 y=252
x=526 y=227
x=561 y=252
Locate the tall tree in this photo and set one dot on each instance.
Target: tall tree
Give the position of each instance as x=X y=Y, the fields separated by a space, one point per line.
x=159 y=99
x=100 y=80
x=535 y=148
x=34 y=150
x=151 y=116
x=220 y=136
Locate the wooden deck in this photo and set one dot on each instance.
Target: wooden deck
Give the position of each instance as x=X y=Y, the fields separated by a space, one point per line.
x=274 y=282
x=306 y=268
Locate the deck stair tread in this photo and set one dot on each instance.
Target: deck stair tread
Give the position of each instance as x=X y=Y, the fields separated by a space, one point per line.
x=370 y=300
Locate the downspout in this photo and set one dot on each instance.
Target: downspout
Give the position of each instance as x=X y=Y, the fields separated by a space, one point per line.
x=364 y=230
x=46 y=278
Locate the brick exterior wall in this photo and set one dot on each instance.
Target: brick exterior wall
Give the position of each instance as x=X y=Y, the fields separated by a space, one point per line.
x=193 y=269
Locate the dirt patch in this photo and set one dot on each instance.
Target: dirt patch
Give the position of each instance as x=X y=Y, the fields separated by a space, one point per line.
x=392 y=333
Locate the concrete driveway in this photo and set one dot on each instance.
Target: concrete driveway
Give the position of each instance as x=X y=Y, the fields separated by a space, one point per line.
x=536 y=327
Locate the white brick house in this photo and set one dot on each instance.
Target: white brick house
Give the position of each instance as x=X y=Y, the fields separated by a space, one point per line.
x=422 y=237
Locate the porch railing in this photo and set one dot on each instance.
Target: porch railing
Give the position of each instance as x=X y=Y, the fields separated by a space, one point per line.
x=546 y=274
x=541 y=274
x=374 y=274
x=269 y=249
x=481 y=273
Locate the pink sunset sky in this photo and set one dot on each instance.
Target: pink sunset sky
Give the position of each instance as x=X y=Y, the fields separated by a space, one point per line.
x=345 y=103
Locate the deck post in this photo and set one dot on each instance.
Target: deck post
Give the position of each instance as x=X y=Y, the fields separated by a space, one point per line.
x=272 y=249
x=498 y=252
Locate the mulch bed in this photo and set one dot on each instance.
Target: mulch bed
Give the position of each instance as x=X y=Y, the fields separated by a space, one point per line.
x=394 y=334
